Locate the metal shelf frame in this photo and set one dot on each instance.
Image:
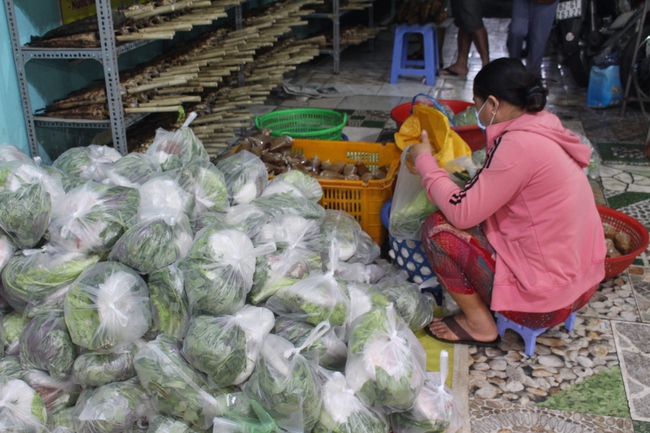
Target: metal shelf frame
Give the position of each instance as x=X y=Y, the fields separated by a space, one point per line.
x=335 y=16
x=107 y=54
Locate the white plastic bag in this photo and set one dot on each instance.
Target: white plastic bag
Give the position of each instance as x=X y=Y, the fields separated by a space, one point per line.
x=345 y=229
x=436 y=408
x=246 y=176
x=172 y=150
x=411 y=205
x=226 y=347
x=88 y=162
x=21 y=408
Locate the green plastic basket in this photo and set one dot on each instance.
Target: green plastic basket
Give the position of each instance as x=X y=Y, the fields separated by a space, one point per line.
x=314 y=123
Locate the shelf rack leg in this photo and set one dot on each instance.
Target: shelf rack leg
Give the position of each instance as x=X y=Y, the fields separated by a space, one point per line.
x=111 y=75
x=336 y=52
x=22 y=77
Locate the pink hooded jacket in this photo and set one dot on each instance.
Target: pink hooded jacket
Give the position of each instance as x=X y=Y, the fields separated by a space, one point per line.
x=537 y=210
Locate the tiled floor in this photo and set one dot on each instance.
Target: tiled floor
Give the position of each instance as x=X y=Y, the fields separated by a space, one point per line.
x=595 y=378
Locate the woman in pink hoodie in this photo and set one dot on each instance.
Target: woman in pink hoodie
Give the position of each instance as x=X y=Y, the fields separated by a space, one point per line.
x=524 y=237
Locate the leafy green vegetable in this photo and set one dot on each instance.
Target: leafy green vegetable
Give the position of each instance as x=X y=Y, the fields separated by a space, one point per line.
x=107 y=306
x=364 y=298
x=248 y=218
x=287 y=385
x=317 y=298
x=175 y=387
x=111 y=408
x=409 y=219
x=281 y=269
x=255 y=420
x=209 y=187
x=290 y=231
x=154 y=244
x=343 y=412
x=49 y=304
x=87 y=162
x=276 y=205
x=13 y=324
x=226 y=347
x=62 y=422
x=386 y=363
x=172 y=150
x=345 y=229
x=38 y=273
x=56 y=395
x=164 y=424
x=415 y=307
x=219 y=270
x=331 y=348
x=46 y=345
x=97 y=369
x=171 y=190
x=466 y=117
x=26 y=196
x=10 y=366
x=367 y=250
x=92 y=217
x=22 y=410
x=307 y=185
x=246 y=176
x=132 y=170
x=169 y=304
x=207 y=219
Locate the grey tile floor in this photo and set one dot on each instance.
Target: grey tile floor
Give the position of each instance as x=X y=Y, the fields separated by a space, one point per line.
x=607 y=352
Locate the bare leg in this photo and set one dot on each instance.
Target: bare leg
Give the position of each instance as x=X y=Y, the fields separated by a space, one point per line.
x=480 y=39
x=464 y=43
x=476 y=319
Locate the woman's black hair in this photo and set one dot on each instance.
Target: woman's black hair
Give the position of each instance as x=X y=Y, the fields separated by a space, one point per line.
x=509 y=80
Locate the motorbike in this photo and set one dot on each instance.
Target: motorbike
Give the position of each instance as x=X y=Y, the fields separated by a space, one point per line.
x=592 y=32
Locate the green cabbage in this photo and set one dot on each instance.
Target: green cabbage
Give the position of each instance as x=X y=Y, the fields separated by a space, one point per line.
x=45 y=344
x=107 y=306
x=97 y=368
x=93 y=216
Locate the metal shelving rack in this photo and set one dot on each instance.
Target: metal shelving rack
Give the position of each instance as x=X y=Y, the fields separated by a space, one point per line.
x=107 y=55
x=336 y=16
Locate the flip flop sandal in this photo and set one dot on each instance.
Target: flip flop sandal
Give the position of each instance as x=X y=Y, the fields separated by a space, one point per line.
x=463 y=336
x=452 y=74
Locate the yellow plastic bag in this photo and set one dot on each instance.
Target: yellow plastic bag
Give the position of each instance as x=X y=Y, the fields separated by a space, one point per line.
x=446 y=143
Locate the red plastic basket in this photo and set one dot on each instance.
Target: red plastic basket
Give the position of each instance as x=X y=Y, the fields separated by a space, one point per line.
x=472 y=134
x=638 y=236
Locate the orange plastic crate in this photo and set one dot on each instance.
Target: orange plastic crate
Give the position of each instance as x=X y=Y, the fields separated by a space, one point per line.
x=361 y=200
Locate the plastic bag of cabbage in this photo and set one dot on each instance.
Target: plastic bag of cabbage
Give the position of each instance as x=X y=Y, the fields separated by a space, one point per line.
x=21 y=408
x=435 y=410
x=219 y=270
x=163 y=237
x=107 y=306
x=33 y=275
x=209 y=187
x=306 y=185
x=114 y=407
x=345 y=229
x=56 y=395
x=176 y=388
x=45 y=344
x=386 y=362
x=165 y=424
x=87 y=162
x=343 y=412
x=92 y=217
x=173 y=189
x=171 y=150
x=226 y=347
x=10 y=366
x=286 y=384
x=97 y=368
x=246 y=176
x=27 y=193
x=132 y=170
x=276 y=205
x=249 y=417
x=9 y=152
x=414 y=306
x=330 y=348
x=169 y=304
x=13 y=324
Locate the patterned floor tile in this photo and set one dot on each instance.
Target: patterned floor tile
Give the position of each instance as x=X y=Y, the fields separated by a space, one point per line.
x=613 y=300
x=632 y=342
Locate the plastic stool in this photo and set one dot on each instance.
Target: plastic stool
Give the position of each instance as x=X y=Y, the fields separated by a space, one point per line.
x=427 y=67
x=529 y=334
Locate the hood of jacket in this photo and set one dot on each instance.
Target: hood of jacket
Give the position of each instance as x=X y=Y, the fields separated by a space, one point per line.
x=547 y=125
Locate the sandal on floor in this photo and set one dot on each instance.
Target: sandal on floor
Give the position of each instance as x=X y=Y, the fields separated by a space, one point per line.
x=452 y=74
x=463 y=336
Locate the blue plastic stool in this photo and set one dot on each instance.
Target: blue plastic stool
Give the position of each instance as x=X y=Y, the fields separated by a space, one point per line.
x=529 y=334
x=401 y=64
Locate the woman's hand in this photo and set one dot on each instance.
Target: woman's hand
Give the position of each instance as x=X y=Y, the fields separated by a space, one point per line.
x=412 y=152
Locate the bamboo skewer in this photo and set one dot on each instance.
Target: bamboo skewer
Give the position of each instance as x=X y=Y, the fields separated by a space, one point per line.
x=132 y=110
x=143 y=36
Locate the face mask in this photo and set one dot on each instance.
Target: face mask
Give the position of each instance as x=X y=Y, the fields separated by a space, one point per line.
x=478 y=119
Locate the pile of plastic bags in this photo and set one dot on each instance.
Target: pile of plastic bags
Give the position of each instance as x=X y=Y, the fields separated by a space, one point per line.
x=160 y=292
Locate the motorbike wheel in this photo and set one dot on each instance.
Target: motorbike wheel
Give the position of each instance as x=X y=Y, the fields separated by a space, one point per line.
x=641 y=68
x=578 y=66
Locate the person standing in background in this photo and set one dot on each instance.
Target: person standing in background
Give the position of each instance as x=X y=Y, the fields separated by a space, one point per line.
x=532 y=21
x=468 y=18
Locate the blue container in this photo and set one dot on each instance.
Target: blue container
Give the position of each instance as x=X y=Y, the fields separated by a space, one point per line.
x=605 y=87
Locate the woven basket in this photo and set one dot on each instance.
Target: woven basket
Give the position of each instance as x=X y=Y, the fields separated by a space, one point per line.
x=638 y=239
